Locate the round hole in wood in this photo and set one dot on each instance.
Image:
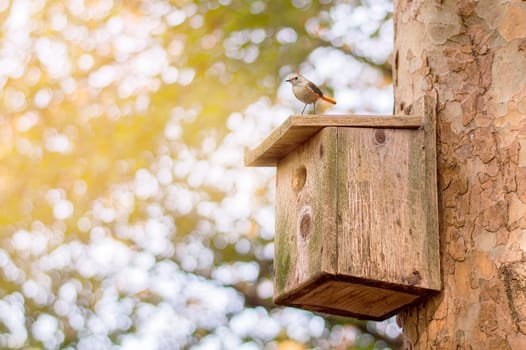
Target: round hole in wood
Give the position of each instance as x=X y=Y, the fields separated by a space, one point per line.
x=299 y=178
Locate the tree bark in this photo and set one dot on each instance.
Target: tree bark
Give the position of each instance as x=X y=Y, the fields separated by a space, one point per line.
x=470 y=56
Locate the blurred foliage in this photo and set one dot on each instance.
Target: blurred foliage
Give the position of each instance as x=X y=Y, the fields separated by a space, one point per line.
x=126 y=218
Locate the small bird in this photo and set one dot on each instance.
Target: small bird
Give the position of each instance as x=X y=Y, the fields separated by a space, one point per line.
x=307 y=92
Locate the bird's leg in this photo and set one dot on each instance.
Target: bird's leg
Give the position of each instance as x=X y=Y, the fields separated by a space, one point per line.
x=303 y=110
x=314 y=108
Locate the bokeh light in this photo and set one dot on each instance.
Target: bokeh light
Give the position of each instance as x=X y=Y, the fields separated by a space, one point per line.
x=128 y=220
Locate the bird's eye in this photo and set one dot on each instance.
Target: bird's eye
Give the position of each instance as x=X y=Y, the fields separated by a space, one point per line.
x=295 y=78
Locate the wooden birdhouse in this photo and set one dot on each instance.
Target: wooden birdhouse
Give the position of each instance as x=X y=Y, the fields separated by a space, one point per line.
x=356 y=211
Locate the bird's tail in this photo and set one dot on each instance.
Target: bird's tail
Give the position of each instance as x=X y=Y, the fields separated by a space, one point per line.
x=329 y=99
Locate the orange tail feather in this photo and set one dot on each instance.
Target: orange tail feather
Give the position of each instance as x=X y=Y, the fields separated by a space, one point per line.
x=329 y=99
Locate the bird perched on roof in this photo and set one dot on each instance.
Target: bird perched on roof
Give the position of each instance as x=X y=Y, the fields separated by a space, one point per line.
x=307 y=92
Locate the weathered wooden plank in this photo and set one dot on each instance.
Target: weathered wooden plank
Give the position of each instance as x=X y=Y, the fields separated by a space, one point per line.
x=305 y=235
x=430 y=246
x=381 y=207
x=354 y=299
x=299 y=128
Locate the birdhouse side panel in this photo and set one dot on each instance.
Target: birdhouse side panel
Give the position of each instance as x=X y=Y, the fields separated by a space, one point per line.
x=305 y=242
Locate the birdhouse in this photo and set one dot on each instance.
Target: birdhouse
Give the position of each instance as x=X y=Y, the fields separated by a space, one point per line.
x=356 y=211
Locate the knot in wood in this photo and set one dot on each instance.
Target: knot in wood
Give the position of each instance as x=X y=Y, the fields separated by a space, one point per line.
x=305 y=225
x=379 y=136
x=414 y=278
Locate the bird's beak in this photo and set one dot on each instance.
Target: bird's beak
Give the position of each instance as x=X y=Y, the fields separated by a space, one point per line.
x=288 y=80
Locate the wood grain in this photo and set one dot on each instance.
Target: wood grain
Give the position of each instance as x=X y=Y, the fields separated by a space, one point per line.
x=382 y=205
x=298 y=128
x=430 y=244
x=305 y=234
x=351 y=298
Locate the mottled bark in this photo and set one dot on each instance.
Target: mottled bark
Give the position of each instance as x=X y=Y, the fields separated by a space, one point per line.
x=470 y=56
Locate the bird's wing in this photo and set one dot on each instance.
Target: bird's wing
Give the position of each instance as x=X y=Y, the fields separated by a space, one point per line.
x=314 y=88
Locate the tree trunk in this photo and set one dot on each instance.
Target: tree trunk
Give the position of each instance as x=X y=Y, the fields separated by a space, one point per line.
x=470 y=56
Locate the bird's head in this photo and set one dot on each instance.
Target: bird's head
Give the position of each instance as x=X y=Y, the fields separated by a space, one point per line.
x=296 y=79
